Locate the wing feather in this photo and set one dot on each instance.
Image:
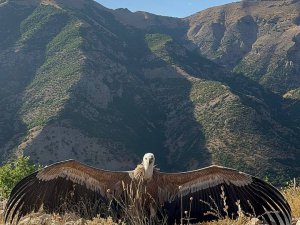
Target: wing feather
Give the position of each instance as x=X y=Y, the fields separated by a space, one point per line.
x=219 y=192
x=64 y=186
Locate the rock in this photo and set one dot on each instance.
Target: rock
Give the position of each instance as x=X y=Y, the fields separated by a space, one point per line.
x=296 y=221
x=254 y=221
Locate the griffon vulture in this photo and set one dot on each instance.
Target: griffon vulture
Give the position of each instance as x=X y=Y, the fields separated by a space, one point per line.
x=204 y=194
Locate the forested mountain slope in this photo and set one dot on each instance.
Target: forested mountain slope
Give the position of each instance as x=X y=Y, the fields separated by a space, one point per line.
x=104 y=86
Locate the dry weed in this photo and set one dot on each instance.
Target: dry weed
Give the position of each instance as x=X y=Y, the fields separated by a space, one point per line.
x=138 y=207
x=240 y=221
x=292 y=195
x=67 y=219
x=132 y=207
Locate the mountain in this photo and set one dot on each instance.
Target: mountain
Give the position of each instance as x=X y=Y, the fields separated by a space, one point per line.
x=257 y=38
x=78 y=80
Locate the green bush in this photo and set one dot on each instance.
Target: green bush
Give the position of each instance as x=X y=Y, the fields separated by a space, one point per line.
x=157 y=41
x=12 y=172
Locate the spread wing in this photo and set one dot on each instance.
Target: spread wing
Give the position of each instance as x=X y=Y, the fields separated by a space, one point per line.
x=216 y=192
x=64 y=186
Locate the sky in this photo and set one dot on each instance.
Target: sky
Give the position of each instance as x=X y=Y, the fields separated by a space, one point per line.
x=175 y=8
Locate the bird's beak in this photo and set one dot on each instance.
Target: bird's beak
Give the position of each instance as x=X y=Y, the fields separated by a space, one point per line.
x=151 y=161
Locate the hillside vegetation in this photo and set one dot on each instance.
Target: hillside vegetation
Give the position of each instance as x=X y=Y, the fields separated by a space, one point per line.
x=81 y=81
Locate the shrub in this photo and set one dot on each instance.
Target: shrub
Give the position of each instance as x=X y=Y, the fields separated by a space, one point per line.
x=12 y=172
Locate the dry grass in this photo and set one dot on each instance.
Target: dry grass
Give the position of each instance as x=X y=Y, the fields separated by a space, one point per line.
x=138 y=207
x=138 y=217
x=293 y=197
x=67 y=219
x=241 y=221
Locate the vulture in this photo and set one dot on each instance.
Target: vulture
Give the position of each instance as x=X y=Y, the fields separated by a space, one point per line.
x=205 y=194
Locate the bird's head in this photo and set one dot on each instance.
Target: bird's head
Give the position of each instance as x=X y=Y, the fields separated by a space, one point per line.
x=148 y=159
x=148 y=163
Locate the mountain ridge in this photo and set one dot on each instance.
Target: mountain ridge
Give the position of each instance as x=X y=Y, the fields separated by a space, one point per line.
x=270 y=31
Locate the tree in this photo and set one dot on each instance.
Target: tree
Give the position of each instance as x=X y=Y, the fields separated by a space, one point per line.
x=12 y=172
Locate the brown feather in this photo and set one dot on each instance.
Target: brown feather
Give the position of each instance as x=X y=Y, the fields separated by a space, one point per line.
x=57 y=184
x=139 y=172
x=197 y=191
x=72 y=181
x=93 y=178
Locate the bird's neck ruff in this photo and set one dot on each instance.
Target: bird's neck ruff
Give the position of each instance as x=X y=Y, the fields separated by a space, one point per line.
x=143 y=172
x=148 y=171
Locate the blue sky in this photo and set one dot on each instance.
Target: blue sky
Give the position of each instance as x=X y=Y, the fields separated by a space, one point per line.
x=176 y=8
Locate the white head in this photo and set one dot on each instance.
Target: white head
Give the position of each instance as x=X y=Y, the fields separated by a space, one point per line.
x=148 y=163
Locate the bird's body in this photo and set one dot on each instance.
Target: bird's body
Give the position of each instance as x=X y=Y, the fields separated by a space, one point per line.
x=206 y=194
